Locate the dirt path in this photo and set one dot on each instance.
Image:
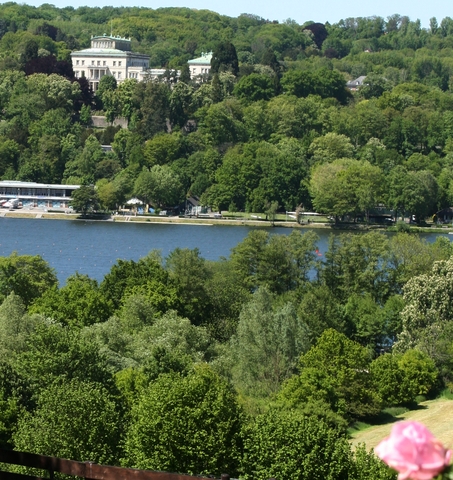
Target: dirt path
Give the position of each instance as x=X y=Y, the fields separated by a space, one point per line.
x=437 y=416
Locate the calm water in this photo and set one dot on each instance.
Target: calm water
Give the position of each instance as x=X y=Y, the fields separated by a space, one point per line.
x=93 y=247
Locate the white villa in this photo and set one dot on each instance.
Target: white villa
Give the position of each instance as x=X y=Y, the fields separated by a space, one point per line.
x=201 y=66
x=111 y=55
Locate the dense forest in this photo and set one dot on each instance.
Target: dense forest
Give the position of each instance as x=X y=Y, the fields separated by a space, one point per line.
x=255 y=365
x=272 y=124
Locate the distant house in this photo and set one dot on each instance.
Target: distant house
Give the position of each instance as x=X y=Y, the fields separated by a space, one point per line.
x=201 y=66
x=355 y=84
x=445 y=215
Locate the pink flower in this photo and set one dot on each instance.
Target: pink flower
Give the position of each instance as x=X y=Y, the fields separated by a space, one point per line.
x=413 y=451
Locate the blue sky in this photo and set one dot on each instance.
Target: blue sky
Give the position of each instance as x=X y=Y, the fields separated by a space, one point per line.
x=298 y=10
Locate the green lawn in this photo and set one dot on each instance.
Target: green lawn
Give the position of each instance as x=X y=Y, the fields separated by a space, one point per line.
x=437 y=415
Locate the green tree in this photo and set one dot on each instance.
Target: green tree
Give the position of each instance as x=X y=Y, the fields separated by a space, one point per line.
x=160 y=185
x=400 y=378
x=330 y=147
x=292 y=445
x=224 y=58
x=84 y=199
x=357 y=264
x=255 y=87
x=320 y=310
x=106 y=84
x=335 y=371
x=427 y=304
x=26 y=275
x=84 y=165
x=186 y=424
x=162 y=149
x=54 y=353
x=152 y=99
x=76 y=420
x=15 y=326
x=79 y=303
x=267 y=345
x=345 y=187
x=127 y=274
x=11 y=404
x=189 y=273
x=55 y=90
x=181 y=103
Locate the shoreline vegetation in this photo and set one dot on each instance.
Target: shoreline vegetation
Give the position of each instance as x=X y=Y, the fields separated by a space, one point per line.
x=227 y=220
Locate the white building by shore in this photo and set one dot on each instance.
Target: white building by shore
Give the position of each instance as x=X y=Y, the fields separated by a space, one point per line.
x=31 y=194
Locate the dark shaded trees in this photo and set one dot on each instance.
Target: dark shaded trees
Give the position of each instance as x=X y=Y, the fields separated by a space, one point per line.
x=224 y=59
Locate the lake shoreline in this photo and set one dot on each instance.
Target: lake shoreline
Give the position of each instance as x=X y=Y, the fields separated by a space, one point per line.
x=209 y=221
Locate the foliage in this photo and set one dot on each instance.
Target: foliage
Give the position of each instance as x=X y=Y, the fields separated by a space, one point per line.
x=400 y=378
x=26 y=275
x=335 y=371
x=281 y=263
x=79 y=303
x=428 y=304
x=224 y=58
x=76 y=420
x=159 y=186
x=267 y=345
x=54 y=353
x=15 y=325
x=127 y=274
x=189 y=273
x=186 y=424
x=289 y=445
x=84 y=199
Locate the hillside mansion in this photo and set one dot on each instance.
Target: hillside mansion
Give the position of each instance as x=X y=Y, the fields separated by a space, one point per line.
x=110 y=55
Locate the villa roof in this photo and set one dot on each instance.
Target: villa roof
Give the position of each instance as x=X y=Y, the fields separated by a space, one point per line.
x=106 y=52
x=205 y=59
x=109 y=37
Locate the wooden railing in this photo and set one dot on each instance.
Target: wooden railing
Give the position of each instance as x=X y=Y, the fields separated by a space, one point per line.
x=86 y=470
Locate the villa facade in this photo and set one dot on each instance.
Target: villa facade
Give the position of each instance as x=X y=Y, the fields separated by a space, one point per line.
x=201 y=66
x=110 y=55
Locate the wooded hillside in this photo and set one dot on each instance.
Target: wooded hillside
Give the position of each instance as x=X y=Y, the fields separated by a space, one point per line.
x=278 y=128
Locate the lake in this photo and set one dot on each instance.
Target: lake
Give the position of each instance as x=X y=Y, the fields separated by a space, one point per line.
x=93 y=247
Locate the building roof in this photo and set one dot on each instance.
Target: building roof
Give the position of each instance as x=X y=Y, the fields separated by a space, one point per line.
x=18 y=184
x=109 y=37
x=107 y=52
x=358 y=82
x=205 y=59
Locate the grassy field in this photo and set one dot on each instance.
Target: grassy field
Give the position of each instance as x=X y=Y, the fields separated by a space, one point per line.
x=437 y=415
